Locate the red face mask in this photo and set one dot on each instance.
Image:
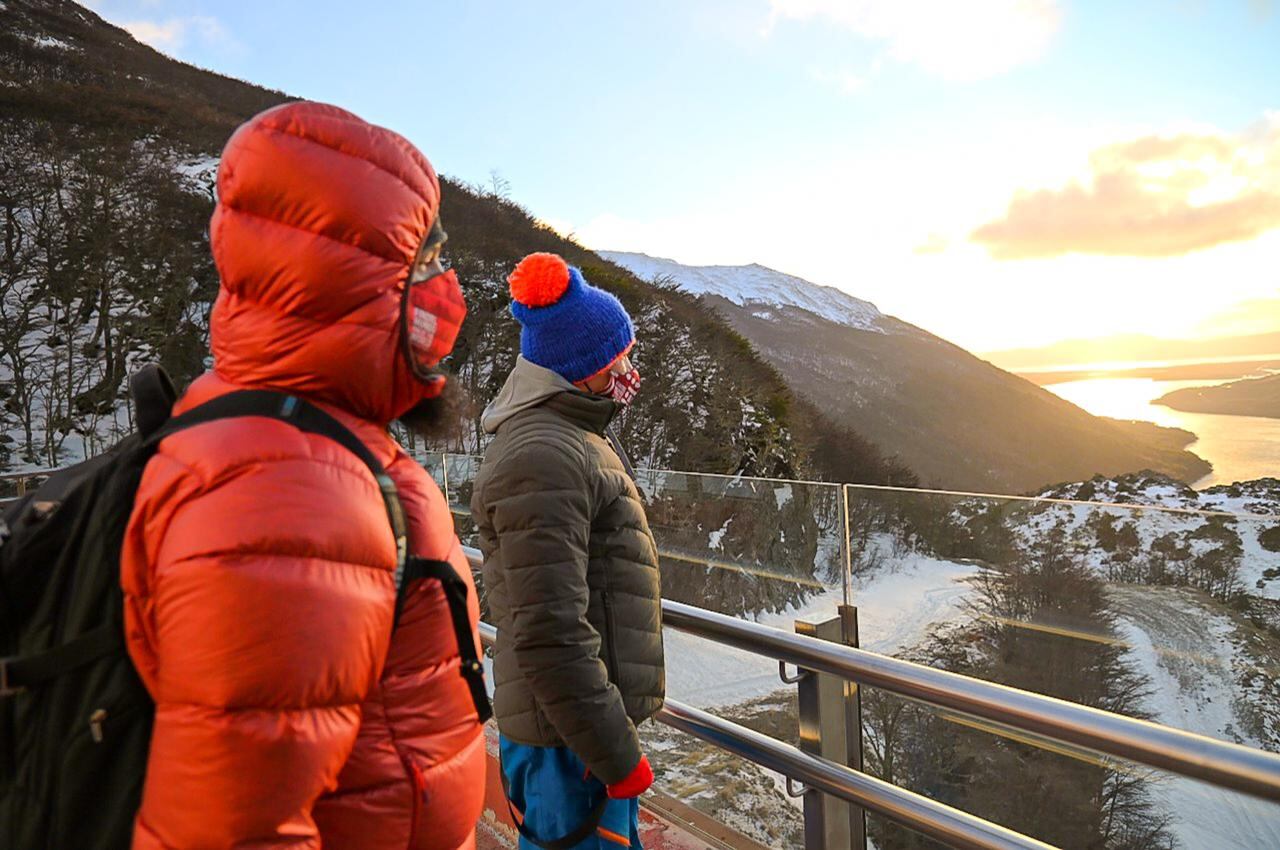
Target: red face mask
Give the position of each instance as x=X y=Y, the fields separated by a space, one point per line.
x=623 y=387
x=431 y=314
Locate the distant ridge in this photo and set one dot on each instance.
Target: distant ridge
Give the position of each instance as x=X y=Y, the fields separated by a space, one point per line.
x=1133 y=348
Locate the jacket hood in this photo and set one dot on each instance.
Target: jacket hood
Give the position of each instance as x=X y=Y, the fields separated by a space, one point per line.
x=528 y=385
x=319 y=217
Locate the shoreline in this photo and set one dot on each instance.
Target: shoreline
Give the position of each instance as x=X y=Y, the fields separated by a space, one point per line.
x=1180 y=372
x=1259 y=397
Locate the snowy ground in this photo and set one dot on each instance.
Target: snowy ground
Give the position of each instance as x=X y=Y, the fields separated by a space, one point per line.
x=1192 y=649
x=1156 y=507
x=897 y=608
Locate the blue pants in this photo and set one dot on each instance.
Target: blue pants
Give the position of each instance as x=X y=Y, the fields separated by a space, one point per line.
x=550 y=787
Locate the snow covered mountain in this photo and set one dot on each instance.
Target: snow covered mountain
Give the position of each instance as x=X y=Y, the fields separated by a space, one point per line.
x=954 y=420
x=756 y=286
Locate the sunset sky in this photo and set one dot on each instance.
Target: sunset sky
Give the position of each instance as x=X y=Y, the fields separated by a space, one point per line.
x=1001 y=172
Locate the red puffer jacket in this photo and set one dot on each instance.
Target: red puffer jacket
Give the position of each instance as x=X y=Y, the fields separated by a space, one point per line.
x=258 y=562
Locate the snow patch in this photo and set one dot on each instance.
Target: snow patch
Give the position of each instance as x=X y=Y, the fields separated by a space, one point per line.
x=898 y=608
x=756 y=285
x=1183 y=643
x=48 y=41
x=199 y=174
x=715 y=540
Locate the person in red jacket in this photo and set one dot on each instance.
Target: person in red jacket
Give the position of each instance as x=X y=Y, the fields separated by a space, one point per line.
x=258 y=563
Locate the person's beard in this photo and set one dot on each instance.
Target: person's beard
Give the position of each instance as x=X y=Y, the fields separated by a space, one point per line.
x=439 y=419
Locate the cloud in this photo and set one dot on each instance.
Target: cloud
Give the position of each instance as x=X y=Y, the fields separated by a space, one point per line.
x=846 y=81
x=955 y=40
x=1251 y=316
x=1155 y=196
x=934 y=243
x=173 y=34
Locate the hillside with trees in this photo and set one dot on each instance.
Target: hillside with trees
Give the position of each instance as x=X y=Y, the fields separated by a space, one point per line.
x=106 y=188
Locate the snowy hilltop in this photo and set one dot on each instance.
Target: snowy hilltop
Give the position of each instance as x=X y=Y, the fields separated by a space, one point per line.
x=755 y=286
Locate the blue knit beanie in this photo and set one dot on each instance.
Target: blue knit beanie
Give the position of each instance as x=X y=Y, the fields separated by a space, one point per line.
x=566 y=324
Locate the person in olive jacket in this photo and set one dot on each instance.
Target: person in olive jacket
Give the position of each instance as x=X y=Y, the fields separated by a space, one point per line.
x=571 y=568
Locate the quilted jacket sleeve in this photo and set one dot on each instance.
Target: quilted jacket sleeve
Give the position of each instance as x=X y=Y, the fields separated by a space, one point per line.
x=258 y=606
x=542 y=513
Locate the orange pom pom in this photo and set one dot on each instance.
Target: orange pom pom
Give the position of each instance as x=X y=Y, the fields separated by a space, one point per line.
x=540 y=279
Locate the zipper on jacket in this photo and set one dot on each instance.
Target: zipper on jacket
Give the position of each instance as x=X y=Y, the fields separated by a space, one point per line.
x=96 y=720
x=419 y=782
x=610 y=639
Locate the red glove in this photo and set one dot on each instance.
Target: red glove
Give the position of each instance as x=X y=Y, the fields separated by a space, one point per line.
x=636 y=783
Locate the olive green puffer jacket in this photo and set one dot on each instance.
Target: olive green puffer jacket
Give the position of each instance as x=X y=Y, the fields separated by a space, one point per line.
x=571 y=572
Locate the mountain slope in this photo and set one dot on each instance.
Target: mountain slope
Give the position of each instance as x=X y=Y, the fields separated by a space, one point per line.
x=957 y=421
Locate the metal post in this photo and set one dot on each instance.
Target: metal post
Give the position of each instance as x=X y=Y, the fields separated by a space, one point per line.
x=444 y=476
x=853 y=725
x=829 y=729
x=848 y=546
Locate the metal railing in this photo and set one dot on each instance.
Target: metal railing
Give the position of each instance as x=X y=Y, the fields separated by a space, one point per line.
x=20 y=479
x=915 y=811
x=1220 y=763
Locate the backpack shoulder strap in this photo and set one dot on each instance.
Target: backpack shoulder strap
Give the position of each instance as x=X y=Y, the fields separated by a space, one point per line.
x=305 y=417
x=19 y=673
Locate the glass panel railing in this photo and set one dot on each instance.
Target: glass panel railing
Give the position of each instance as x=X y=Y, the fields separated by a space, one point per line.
x=1168 y=610
x=13 y=485
x=745 y=546
x=433 y=462
x=462 y=471
x=738 y=545
x=1063 y=795
x=1165 y=610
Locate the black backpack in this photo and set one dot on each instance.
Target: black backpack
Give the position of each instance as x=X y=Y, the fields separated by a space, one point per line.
x=75 y=719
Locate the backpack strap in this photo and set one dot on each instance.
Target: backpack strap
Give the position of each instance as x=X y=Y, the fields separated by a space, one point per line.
x=149 y=390
x=305 y=417
x=455 y=594
x=27 y=671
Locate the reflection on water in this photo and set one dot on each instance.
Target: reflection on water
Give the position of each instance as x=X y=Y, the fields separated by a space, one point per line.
x=1239 y=447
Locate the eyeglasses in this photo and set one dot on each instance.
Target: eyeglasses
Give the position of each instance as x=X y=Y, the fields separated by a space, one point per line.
x=432 y=308
x=426 y=264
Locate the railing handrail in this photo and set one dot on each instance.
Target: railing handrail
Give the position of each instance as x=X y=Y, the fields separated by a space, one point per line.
x=30 y=473
x=953 y=827
x=1221 y=763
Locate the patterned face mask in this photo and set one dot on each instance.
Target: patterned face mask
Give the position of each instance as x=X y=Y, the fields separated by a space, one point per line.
x=431 y=311
x=624 y=383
